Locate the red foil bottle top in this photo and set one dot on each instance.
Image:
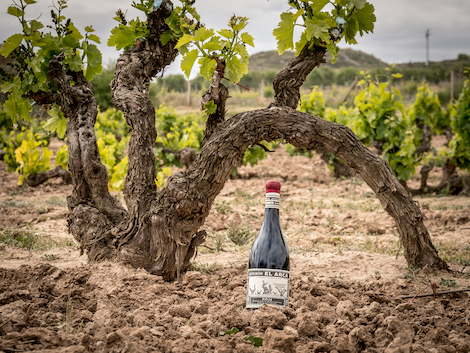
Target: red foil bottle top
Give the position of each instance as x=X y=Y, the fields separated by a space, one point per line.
x=273 y=186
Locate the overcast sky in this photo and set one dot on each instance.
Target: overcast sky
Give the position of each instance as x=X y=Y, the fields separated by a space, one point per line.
x=399 y=34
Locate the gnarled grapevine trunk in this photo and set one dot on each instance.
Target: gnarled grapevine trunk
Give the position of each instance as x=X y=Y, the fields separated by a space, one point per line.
x=159 y=231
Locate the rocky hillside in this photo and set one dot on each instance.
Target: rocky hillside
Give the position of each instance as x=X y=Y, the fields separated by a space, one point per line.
x=270 y=60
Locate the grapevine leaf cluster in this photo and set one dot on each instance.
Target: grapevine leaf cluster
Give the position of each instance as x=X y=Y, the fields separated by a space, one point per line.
x=32 y=50
x=324 y=23
x=427 y=110
x=224 y=50
x=378 y=118
x=459 y=146
x=382 y=119
x=26 y=151
x=125 y=35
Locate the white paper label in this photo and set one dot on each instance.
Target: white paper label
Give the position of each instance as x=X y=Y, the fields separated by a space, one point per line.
x=272 y=200
x=267 y=286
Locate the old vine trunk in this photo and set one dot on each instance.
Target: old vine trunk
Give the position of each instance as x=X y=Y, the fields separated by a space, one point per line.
x=159 y=230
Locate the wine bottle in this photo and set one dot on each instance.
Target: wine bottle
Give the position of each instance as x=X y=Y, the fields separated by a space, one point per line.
x=268 y=267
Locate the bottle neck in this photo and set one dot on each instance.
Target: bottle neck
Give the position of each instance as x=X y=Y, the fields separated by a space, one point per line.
x=272 y=200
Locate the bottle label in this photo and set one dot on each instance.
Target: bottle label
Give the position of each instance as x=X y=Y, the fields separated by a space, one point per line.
x=272 y=200
x=267 y=286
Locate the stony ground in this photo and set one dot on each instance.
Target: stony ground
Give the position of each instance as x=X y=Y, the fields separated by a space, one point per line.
x=347 y=275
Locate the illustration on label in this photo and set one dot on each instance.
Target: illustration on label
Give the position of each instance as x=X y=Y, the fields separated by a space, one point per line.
x=267 y=286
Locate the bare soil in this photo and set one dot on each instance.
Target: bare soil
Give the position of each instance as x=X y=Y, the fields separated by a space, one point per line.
x=347 y=274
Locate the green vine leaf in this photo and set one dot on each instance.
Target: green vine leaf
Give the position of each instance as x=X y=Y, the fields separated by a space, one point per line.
x=318 y=5
x=214 y=44
x=333 y=49
x=94 y=38
x=11 y=44
x=15 y=11
x=351 y=28
x=210 y=107
x=72 y=39
x=317 y=29
x=17 y=107
x=365 y=19
x=359 y=4
x=124 y=36
x=202 y=34
x=235 y=69
x=226 y=33
x=185 y=39
x=284 y=32
x=324 y=28
x=188 y=61
x=207 y=67
x=94 y=60
x=247 y=38
x=121 y=37
x=255 y=341
x=57 y=123
x=73 y=60
x=300 y=44
x=240 y=48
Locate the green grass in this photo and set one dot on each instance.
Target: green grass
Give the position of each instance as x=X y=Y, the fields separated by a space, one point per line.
x=56 y=201
x=205 y=268
x=223 y=208
x=240 y=235
x=454 y=254
x=12 y=202
x=28 y=239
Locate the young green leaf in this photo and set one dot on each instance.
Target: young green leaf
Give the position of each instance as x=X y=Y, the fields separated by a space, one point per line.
x=240 y=48
x=229 y=332
x=226 y=33
x=72 y=39
x=202 y=34
x=57 y=123
x=74 y=61
x=350 y=30
x=284 y=32
x=185 y=39
x=247 y=38
x=317 y=29
x=318 y=5
x=17 y=107
x=207 y=67
x=358 y=3
x=15 y=11
x=94 y=38
x=235 y=69
x=365 y=19
x=333 y=50
x=11 y=44
x=255 y=341
x=301 y=43
x=121 y=37
x=214 y=44
x=166 y=37
x=210 y=107
x=188 y=61
x=94 y=61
